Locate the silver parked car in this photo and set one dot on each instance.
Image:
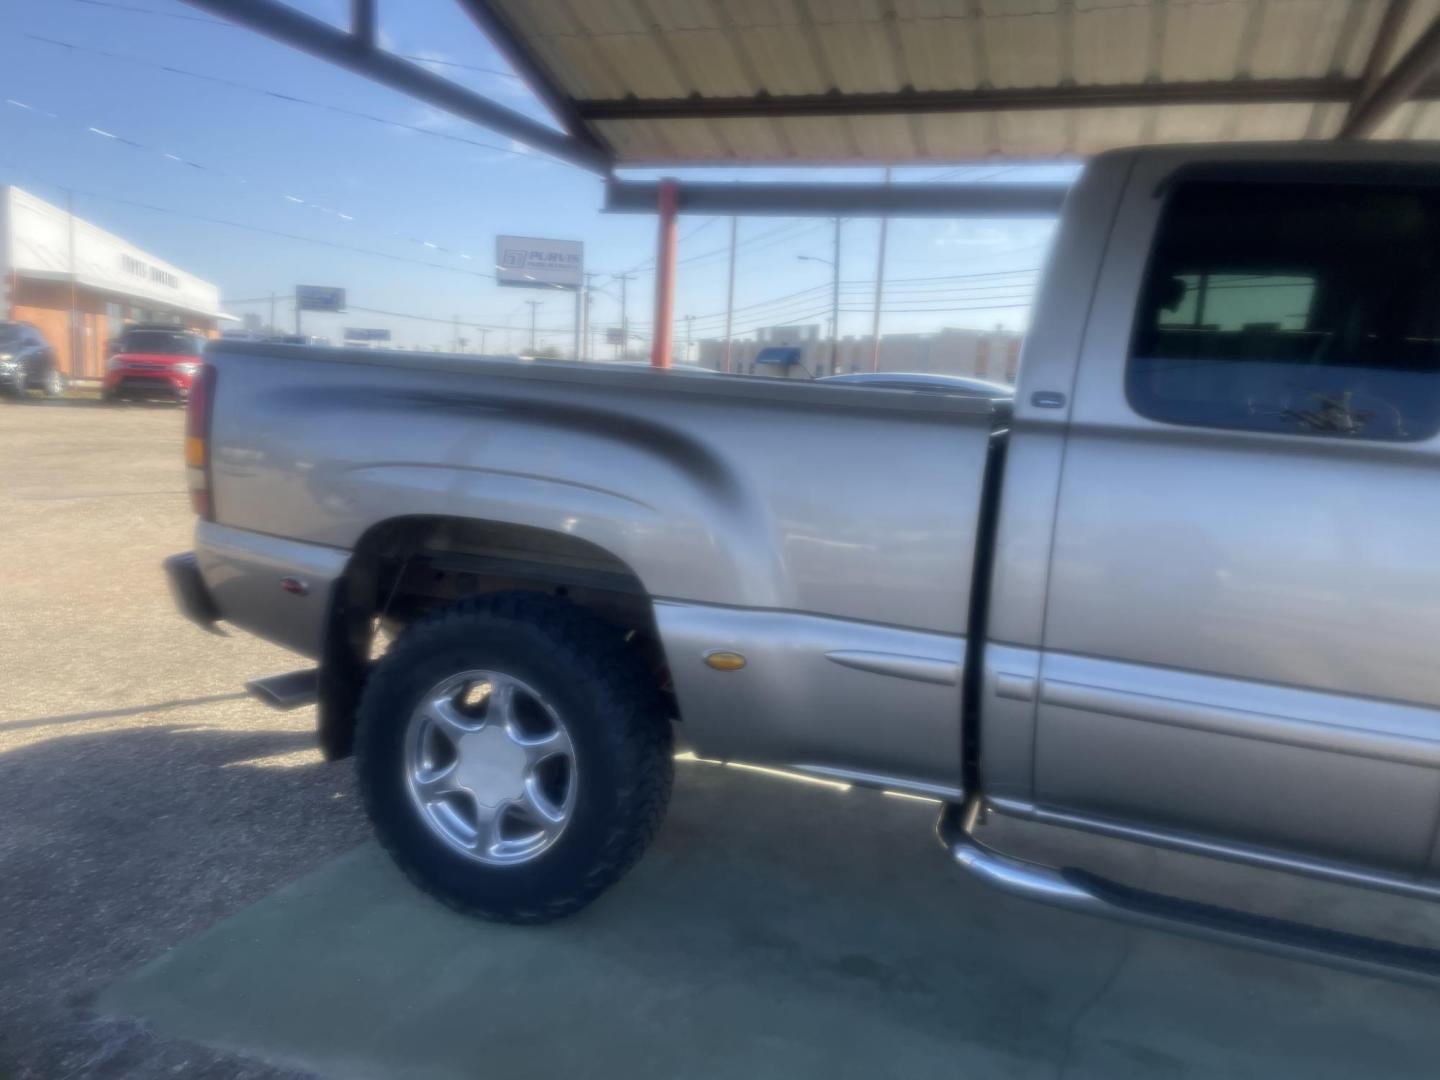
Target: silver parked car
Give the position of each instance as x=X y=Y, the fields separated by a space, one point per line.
x=1184 y=595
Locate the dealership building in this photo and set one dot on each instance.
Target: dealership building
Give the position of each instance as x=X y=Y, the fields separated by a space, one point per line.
x=80 y=285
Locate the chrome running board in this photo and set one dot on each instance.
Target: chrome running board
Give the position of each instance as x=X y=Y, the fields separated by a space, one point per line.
x=288 y=691
x=1090 y=894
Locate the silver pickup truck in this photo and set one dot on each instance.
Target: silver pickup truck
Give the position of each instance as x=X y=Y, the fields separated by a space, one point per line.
x=1183 y=591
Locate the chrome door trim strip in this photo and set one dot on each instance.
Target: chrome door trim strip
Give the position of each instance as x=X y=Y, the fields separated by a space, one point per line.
x=1194 y=845
x=1241 y=723
x=879 y=780
x=917 y=668
x=1014 y=687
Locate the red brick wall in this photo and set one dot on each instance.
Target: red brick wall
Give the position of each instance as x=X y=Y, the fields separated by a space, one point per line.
x=46 y=304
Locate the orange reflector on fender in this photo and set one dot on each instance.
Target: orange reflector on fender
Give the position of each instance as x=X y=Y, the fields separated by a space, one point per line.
x=195 y=451
x=721 y=660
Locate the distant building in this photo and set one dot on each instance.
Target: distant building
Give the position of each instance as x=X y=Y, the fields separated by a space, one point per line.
x=799 y=352
x=49 y=262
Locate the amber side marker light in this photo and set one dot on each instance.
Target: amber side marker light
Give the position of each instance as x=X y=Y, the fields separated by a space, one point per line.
x=197 y=441
x=721 y=660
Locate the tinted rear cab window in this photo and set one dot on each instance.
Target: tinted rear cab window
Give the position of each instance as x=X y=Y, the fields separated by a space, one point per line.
x=1298 y=308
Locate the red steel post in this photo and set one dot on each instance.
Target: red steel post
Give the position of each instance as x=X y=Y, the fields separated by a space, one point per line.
x=665 y=274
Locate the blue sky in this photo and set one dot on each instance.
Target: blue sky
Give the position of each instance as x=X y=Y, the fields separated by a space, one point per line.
x=292 y=168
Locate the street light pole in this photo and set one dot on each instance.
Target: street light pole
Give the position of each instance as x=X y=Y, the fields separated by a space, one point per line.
x=585 y=318
x=534 y=305
x=77 y=367
x=624 y=326
x=879 y=287
x=835 y=307
x=730 y=296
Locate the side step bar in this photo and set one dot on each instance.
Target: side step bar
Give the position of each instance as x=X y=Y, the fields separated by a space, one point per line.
x=1090 y=894
x=288 y=691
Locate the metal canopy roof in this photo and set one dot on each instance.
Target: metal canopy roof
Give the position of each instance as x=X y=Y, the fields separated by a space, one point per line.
x=688 y=82
x=807 y=81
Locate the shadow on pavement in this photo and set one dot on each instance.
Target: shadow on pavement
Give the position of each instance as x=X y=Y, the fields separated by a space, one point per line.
x=105 y=714
x=775 y=930
x=116 y=846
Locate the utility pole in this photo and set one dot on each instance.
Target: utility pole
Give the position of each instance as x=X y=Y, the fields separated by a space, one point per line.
x=689 y=327
x=624 y=325
x=483 y=333
x=835 y=308
x=577 y=321
x=730 y=293
x=297 y=314
x=76 y=366
x=271 y=327
x=534 y=304
x=585 y=318
x=455 y=333
x=879 y=287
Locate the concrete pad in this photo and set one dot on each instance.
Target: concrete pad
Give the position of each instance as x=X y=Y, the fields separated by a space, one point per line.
x=777 y=929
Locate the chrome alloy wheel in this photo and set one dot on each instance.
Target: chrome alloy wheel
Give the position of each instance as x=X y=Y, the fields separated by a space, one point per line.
x=490 y=767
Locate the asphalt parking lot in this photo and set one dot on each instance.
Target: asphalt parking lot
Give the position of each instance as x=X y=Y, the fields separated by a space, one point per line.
x=187 y=890
x=141 y=796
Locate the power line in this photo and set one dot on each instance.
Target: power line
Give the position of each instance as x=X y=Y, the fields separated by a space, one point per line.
x=223 y=25
x=902 y=295
x=457 y=64
x=286 y=196
x=283 y=234
x=451 y=320
x=278 y=96
x=181 y=15
x=714 y=253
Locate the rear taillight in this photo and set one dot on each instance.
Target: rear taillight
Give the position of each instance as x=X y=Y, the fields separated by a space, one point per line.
x=197 y=441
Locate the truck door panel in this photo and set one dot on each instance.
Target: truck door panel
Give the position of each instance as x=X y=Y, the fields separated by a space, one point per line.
x=1243 y=593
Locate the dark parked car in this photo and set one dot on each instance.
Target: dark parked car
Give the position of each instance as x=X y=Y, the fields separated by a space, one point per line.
x=27 y=362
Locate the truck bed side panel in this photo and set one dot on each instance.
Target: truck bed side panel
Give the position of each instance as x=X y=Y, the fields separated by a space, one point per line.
x=847 y=513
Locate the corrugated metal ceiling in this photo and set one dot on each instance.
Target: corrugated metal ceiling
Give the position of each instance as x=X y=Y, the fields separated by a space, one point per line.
x=694 y=81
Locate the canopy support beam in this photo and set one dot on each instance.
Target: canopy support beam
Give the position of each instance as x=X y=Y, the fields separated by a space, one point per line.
x=1402 y=83
x=296 y=29
x=1325 y=90
x=842 y=200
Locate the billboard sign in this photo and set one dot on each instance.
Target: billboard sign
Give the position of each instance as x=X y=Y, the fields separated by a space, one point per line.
x=528 y=262
x=319 y=298
x=614 y=336
x=366 y=333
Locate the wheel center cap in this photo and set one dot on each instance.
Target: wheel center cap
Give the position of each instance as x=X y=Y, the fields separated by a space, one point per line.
x=490 y=765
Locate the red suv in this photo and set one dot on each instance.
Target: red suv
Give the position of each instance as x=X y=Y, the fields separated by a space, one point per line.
x=151 y=362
